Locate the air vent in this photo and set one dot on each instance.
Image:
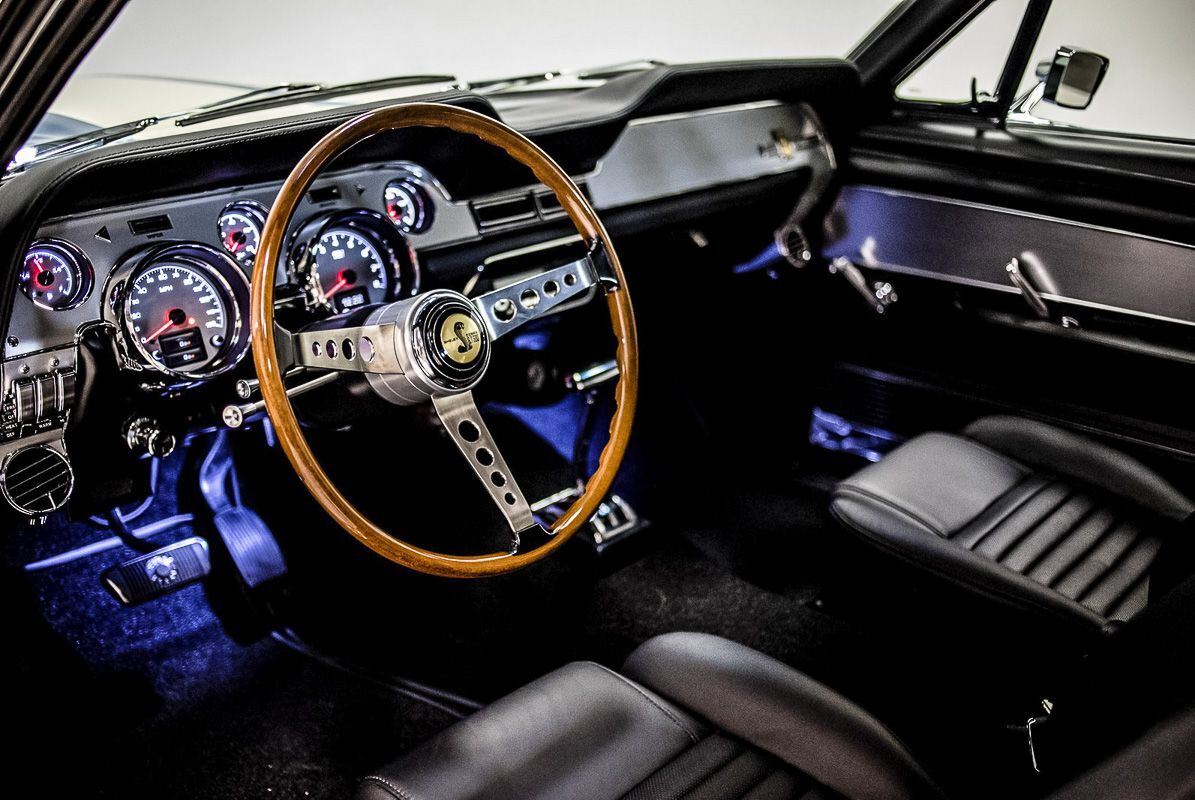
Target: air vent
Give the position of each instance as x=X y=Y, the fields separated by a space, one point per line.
x=37 y=480
x=504 y=211
x=549 y=203
x=148 y=225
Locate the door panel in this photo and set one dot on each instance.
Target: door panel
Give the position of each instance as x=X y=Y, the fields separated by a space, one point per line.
x=1098 y=234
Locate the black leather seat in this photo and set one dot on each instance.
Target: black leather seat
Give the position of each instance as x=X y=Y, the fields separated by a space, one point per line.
x=1023 y=512
x=692 y=716
x=695 y=717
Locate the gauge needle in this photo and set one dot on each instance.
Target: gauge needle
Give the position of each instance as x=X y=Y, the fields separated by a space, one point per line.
x=167 y=326
x=341 y=282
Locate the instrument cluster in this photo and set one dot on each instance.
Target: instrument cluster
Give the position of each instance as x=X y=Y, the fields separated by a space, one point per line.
x=179 y=299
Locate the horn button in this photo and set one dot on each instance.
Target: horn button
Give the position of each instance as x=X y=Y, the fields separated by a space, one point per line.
x=452 y=346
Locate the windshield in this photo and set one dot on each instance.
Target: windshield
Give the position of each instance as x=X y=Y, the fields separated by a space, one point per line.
x=161 y=57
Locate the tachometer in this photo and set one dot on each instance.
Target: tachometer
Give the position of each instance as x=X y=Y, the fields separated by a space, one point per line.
x=181 y=309
x=354 y=258
x=56 y=274
x=351 y=271
x=239 y=227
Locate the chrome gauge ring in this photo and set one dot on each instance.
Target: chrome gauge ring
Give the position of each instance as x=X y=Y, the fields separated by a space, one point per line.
x=181 y=310
x=352 y=259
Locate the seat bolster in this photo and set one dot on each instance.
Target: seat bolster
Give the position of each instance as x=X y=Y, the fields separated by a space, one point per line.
x=907 y=488
x=582 y=731
x=1061 y=452
x=959 y=565
x=777 y=709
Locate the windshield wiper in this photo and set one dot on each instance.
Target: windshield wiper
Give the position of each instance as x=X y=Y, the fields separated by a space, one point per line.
x=580 y=78
x=83 y=141
x=288 y=93
x=254 y=100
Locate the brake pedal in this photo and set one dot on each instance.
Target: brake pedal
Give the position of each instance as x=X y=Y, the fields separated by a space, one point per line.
x=160 y=572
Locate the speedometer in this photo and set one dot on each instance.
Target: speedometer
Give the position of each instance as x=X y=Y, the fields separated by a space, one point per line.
x=178 y=316
x=181 y=308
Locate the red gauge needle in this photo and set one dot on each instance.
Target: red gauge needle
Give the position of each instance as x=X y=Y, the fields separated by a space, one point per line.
x=167 y=326
x=341 y=282
x=174 y=317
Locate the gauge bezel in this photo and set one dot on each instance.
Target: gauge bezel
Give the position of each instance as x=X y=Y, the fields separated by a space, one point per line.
x=224 y=273
x=79 y=262
x=378 y=230
x=427 y=208
x=252 y=209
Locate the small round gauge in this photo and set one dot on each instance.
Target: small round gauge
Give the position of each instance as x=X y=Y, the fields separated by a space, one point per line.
x=408 y=205
x=239 y=227
x=56 y=274
x=355 y=258
x=182 y=310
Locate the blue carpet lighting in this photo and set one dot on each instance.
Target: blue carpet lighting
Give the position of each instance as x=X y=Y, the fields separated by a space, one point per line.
x=768 y=259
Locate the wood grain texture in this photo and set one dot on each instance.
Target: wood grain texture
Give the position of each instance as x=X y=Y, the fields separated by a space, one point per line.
x=269 y=370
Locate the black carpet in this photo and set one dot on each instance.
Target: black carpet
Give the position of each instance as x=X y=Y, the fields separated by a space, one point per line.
x=158 y=700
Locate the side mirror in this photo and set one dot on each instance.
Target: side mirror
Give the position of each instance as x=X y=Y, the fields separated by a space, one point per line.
x=1074 y=77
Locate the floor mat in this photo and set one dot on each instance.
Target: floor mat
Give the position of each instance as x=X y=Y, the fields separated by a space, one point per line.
x=158 y=701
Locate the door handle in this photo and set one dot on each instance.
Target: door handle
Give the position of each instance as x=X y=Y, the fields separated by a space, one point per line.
x=1027 y=289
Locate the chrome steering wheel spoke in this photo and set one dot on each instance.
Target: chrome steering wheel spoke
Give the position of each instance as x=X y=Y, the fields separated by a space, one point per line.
x=510 y=307
x=351 y=348
x=464 y=424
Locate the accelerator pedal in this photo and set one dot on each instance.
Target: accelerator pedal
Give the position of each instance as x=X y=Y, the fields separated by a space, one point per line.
x=250 y=544
x=160 y=572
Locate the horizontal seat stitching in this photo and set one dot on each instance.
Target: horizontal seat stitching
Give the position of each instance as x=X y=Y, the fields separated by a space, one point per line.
x=1012 y=597
x=1065 y=537
x=1020 y=483
x=1035 y=525
x=1112 y=566
x=1017 y=507
x=1115 y=605
x=1083 y=557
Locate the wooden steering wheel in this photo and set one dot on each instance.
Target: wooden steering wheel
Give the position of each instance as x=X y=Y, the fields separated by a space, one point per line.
x=435 y=347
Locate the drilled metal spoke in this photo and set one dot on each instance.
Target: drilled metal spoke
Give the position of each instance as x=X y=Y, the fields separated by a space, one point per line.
x=353 y=348
x=464 y=424
x=515 y=305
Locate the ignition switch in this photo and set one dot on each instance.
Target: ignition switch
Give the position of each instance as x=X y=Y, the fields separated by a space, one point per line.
x=145 y=436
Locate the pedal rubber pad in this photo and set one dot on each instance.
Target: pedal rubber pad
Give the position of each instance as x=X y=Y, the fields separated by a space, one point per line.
x=155 y=574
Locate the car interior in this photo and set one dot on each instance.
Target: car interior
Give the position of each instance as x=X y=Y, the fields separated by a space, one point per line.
x=759 y=428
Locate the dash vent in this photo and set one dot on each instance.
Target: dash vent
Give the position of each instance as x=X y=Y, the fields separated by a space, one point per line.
x=37 y=480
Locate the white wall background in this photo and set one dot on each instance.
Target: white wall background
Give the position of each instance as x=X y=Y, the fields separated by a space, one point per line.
x=1149 y=44
x=262 y=42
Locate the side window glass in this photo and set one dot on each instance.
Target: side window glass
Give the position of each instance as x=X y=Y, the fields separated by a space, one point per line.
x=977 y=52
x=1146 y=89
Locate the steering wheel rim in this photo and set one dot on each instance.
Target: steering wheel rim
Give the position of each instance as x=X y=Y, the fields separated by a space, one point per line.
x=270 y=371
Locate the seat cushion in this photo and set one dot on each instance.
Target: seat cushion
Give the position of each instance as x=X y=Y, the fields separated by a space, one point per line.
x=1021 y=511
x=703 y=718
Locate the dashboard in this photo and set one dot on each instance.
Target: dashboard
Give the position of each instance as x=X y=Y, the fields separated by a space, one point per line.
x=166 y=279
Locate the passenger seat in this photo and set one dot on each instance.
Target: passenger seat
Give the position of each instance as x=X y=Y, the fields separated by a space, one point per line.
x=1022 y=512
